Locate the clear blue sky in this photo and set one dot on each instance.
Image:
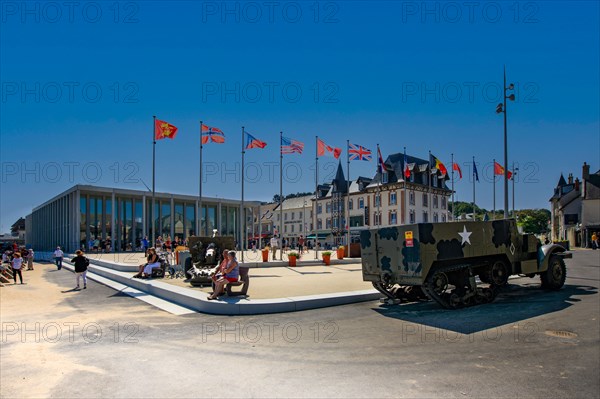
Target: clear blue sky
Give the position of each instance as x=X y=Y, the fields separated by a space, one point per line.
x=80 y=86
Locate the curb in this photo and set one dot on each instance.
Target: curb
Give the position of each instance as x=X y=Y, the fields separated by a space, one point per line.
x=197 y=301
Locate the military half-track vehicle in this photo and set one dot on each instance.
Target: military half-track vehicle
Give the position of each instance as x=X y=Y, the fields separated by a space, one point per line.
x=440 y=261
x=206 y=253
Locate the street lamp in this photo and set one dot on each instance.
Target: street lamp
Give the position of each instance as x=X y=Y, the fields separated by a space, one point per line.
x=501 y=108
x=514 y=173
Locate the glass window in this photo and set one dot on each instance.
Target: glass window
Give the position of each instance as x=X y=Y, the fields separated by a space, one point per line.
x=435 y=201
x=384 y=178
x=292 y=228
x=435 y=217
x=285 y=216
x=443 y=202
x=165 y=218
x=232 y=222
x=425 y=217
x=328 y=208
x=139 y=227
x=411 y=197
x=361 y=203
x=319 y=224
x=378 y=200
x=328 y=223
x=211 y=220
x=190 y=220
x=179 y=221
x=393 y=198
x=356 y=221
x=82 y=226
x=224 y=220
x=435 y=181
x=393 y=218
x=425 y=197
x=319 y=209
x=412 y=216
x=108 y=217
x=350 y=205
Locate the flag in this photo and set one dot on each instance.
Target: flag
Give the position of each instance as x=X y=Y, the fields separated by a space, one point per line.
x=381 y=165
x=360 y=153
x=213 y=134
x=439 y=165
x=457 y=168
x=289 y=146
x=323 y=149
x=164 y=130
x=475 y=171
x=499 y=170
x=253 y=142
x=406 y=169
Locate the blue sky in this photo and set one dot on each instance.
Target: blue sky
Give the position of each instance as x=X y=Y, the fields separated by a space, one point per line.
x=80 y=86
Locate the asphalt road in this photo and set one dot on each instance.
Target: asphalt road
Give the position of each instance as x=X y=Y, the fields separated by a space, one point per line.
x=99 y=343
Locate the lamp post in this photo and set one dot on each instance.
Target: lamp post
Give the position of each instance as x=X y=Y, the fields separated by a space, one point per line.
x=514 y=173
x=501 y=108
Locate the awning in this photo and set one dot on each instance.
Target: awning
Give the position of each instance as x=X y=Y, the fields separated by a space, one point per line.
x=321 y=236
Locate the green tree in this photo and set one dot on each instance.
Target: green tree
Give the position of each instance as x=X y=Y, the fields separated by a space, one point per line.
x=533 y=221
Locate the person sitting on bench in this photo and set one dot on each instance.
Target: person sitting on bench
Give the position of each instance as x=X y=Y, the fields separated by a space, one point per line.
x=145 y=270
x=231 y=274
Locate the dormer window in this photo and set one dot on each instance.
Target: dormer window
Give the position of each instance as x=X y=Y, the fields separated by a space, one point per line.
x=384 y=177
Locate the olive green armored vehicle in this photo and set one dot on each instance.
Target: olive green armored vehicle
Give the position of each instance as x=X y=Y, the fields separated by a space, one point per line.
x=440 y=261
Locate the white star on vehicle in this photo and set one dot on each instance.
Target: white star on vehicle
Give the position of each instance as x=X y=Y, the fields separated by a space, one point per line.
x=465 y=236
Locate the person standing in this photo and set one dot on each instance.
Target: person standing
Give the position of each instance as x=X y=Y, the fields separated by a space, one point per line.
x=301 y=244
x=58 y=257
x=17 y=262
x=274 y=246
x=594 y=241
x=30 y=255
x=81 y=264
x=145 y=245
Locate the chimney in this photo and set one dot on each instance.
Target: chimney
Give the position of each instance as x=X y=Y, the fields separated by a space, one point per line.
x=570 y=181
x=577 y=184
x=585 y=175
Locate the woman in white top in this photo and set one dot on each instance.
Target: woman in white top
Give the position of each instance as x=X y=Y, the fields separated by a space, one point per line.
x=17 y=262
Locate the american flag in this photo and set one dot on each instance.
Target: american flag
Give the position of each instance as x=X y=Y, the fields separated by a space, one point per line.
x=360 y=153
x=289 y=146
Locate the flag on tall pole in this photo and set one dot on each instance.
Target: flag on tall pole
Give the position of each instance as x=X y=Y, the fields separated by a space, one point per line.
x=475 y=178
x=290 y=146
x=287 y=146
x=406 y=177
x=406 y=168
x=315 y=229
x=381 y=167
x=439 y=165
x=161 y=130
x=453 y=169
x=499 y=170
x=248 y=142
x=350 y=147
x=358 y=153
x=494 y=191
x=212 y=134
x=456 y=167
x=324 y=149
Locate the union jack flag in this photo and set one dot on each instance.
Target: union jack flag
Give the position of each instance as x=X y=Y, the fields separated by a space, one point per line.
x=360 y=153
x=289 y=146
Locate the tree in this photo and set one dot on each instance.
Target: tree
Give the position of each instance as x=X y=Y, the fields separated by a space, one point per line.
x=533 y=221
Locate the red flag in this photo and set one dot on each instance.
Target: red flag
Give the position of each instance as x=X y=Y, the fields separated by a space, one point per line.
x=439 y=165
x=499 y=170
x=381 y=165
x=164 y=130
x=213 y=134
x=457 y=168
x=322 y=148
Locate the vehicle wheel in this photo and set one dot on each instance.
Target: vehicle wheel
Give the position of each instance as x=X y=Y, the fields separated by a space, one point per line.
x=498 y=274
x=554 y=278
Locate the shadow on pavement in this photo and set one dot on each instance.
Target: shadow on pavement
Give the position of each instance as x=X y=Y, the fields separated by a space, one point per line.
x=516 y=303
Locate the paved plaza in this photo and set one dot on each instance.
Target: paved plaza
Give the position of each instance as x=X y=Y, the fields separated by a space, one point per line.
x=57 y=342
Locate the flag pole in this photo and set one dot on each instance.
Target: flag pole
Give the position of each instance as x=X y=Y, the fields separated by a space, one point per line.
x=153 y=224
x=474 y=218
x=280 y=197
x=452 y=161
x=347 y=226
x=243 y=227
x=316 y=194
x=430 y=218
x=200 y=188
x=405 y=182
x=379 y=187
x=494 y=177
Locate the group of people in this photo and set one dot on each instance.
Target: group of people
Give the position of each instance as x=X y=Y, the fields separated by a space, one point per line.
x=228 y=271
x=165 y=243
x=152 y=261
x=14 y=261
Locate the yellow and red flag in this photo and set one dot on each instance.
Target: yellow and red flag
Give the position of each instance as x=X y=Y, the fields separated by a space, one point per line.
x=439 y=165
x=164 y=130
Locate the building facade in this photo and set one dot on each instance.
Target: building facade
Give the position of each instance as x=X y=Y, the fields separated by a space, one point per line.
x=125 y=217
